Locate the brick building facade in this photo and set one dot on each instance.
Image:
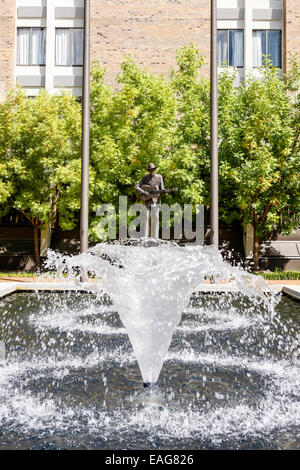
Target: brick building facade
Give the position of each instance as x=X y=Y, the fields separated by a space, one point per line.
x=151 y=31
x=292 y=29
x=41 y=47
x=7 y=45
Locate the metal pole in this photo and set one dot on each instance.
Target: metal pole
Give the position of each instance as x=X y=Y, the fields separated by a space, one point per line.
x=214 y=213
x=84 y=207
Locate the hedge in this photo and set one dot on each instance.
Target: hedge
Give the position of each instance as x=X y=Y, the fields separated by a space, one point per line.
x=285 y=276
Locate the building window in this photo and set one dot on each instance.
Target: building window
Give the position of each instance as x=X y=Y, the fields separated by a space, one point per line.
x=230 y=47
x=69 y=46
x=266 y=43
x=31 y=46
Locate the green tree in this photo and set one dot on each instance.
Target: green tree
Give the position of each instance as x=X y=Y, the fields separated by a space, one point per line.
x=40 y=159
x=259 y=153
x=187 y=162
x=150 y=118
x=129 y=127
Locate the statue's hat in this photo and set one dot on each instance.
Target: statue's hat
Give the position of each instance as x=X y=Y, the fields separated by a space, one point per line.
x=151 y=166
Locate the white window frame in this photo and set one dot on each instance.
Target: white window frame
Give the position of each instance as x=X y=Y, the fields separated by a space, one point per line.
x=69 y=29
x=228 y=30
x=267 y=32
x=31 y=63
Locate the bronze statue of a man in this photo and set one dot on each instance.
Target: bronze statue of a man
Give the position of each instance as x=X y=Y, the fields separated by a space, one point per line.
x=152 y=203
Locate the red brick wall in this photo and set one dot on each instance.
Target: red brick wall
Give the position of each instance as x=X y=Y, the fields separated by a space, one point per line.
x=292 y=29
x=7 y=45
x=150 y=30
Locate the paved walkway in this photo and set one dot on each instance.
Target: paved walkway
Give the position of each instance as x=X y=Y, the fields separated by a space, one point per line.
x=290 y=288
x=8 y=287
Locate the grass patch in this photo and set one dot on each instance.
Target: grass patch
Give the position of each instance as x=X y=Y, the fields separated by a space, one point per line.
x=274 y=276
x=281 y=276
x=18 y=274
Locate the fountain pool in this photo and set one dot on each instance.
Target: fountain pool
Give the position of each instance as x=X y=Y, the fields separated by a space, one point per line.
x=70 y=378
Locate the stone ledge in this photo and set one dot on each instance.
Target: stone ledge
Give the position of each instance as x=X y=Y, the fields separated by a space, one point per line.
x=9 y=287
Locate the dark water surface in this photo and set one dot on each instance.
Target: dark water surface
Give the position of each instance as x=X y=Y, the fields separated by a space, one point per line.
x=69 y=378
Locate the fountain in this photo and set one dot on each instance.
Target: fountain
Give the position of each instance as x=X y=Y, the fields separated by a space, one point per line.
x=150 y=282
x=224 y=362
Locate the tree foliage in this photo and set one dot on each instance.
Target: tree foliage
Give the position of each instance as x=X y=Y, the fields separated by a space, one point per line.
x=259 y=153
x=129 y=128
x=40 y=158
x=166 y=121
x=187 y=163
x=150 y=118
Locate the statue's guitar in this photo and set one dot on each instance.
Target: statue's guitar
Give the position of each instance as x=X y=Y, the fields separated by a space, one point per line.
x=154 y=192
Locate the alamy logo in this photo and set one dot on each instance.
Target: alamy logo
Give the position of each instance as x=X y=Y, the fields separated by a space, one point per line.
x=138 y=220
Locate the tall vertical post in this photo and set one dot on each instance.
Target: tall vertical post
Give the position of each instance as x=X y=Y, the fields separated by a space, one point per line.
x=50 y=49
x=84 y=207
x=214 y=197
x=248 y=10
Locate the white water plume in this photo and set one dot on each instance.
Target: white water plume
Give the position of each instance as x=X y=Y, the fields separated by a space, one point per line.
x=150 y=283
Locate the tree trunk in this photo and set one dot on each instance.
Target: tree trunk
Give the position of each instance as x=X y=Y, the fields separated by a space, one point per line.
x=45 y=236
x=36 y=245
x=255 y=251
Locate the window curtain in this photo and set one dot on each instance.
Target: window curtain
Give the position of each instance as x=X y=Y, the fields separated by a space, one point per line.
x=222 y=48
x=274 y=47
x=267 y=42
x=62 y=47
x=258 y=47
x=77 y=47
x=23 y=46
x=236 y=48
x=38 y=46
